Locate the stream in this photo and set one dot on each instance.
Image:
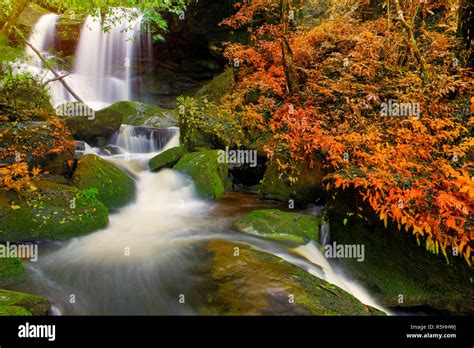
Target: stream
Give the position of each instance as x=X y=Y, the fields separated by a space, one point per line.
x=147 y=256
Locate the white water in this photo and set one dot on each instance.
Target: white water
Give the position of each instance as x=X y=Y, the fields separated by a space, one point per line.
x=102 y=73
x=144 y=257
x=135 y=140
x=42 y=38
x=147 y=255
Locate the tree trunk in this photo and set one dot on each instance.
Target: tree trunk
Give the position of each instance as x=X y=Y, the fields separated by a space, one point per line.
x=18 y=7
x=412 y=41
x=292 y=79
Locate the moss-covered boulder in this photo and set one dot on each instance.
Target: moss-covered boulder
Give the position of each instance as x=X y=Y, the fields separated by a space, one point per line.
x=14 y=311
x=276 y=224
x=115 y=188
x=166 y=159
x=18 y=303
x=141 y=114
x=209 y=176
x=250 y=282
x=307 y=189
x=54 y=212
x=91 y=128
x=397 y=272
x=11 y=269
x=218 y=87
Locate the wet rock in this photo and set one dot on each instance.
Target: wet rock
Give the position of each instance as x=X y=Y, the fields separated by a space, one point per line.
x=276 y=224
x=52 y=212
x=209 y=176
x=18 y=303
x=166 y=159
x=250 y=282
x=115 y=188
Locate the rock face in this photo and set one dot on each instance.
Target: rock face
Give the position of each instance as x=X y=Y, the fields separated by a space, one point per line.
x=249 y=282
x=101 y=125
x=209 y=176
x=52 y=212
x=306 y=190
x=115 y=188
x=276 y=224
x=166 y=159
x=18 y=303
x=400 y=274
x=140 y=114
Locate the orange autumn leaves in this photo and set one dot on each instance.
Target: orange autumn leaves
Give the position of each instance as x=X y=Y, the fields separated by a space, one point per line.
x=415 y=173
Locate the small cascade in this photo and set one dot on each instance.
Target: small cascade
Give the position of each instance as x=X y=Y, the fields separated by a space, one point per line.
x=146 y=139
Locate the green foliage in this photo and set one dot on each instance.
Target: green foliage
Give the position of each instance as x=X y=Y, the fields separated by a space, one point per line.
x=199 y=115
x=23 y=98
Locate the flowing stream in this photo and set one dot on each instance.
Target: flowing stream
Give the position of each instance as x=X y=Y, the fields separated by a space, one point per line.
x=147 y=255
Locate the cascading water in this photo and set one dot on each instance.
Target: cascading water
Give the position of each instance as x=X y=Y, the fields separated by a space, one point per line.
x=149 y=252
x=42 y=37
x=102 y=73
x=145 y=139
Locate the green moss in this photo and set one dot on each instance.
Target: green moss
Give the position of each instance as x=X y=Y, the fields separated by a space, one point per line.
x=36 y=305
x=116 y=188
x=306 y=189
x=256 y=283
x=276 y=224
x=208 y=174
x=54 y=212
x=11 y=269
x=395 y=265
x=218 y=87
x=14 y=311
x=166 y=159
x=139 y=114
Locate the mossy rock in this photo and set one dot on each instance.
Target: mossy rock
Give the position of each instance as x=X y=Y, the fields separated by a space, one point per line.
x=395 y=265
x=166 y=159
x=14 y=311
x=307 y=189
x=218 y=87
x=52 y=212
x=11 y=269
x=115 y=188
x=141 y=114
x=209 y=176
x=102 y=124
x=276 y=224
x=36 y=305
x=252 y=282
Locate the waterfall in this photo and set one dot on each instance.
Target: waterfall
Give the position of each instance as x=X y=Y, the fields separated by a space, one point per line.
x=42 y=37
x=102 y=73
x=146 y=139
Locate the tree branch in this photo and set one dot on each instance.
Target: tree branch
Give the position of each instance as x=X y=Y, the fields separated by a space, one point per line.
x=46 y=63
x=57 y=78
